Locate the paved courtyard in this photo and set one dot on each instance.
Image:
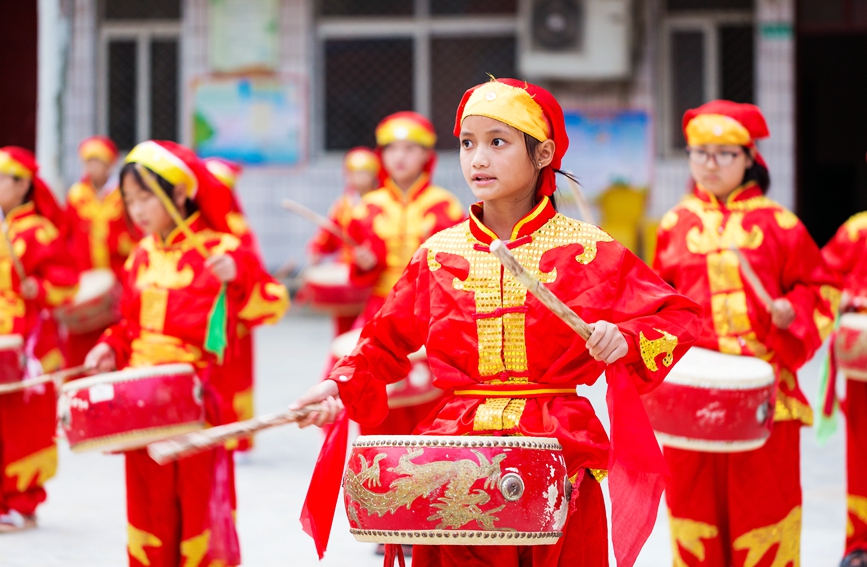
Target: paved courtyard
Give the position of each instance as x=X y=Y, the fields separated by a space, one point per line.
x=83 y=523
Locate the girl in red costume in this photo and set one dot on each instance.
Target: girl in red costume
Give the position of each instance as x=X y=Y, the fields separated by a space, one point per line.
x=182 y=514
x=484 y=331
x=743 y=509
x=36 y=275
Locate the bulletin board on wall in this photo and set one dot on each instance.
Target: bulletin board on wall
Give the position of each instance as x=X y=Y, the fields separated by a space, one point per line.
x=243 y=36
x=253 y=120
x=609 y=147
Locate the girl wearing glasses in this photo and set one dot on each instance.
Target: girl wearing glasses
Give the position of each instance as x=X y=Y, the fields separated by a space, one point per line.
x=743 y=509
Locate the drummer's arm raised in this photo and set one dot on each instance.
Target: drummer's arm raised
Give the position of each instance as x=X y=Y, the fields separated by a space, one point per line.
x=658 y=323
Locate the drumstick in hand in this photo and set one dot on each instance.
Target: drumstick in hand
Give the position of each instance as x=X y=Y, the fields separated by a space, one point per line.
x=545 y=295
x=317 y=219
x=191 y=443
x=58 y=378
x=753 y=278
x=581 y=201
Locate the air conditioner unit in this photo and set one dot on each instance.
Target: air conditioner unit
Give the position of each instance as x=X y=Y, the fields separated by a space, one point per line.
x=574 y=39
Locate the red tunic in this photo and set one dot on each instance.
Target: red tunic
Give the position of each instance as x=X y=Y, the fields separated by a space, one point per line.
x=324 y=242
x=484 y=333
x=727 y=508
x=28 y=455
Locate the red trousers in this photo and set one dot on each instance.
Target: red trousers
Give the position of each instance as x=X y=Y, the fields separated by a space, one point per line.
x=28 y=454
x=79 y=345
x=584 y=542
x=737 y=509
x=856 y=464
x=169 y=509
x=234 y=381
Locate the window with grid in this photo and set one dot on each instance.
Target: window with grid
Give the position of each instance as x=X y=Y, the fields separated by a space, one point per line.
x=140 y=66
x=414 y=55
x=708 y=53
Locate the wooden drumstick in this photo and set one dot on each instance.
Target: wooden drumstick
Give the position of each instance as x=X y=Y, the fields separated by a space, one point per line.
x=58 y=378
x=545 y=295
x=753 y=278
x=581 y=201
x=319 y=220
x=191 y=443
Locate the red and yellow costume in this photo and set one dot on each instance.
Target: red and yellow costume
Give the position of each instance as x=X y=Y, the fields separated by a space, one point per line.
x=509 y=366
x=845 y=255
x=324 y=242
x=28 y=454
x=237 y=371
x=168 y=294
x=393 y=223
x=100 y=234
x=744 y=509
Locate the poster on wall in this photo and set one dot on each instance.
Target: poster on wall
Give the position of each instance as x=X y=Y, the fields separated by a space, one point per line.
x=608 y=147
x=243 y=35
x=251 y=120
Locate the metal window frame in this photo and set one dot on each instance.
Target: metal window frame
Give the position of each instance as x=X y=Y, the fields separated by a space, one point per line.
x=142 y=32
x=421 y=27
x=709 y=24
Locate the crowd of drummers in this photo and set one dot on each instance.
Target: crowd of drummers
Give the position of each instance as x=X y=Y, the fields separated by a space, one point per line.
x=463 y=339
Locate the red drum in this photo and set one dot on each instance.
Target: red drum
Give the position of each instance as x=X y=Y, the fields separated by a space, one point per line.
x=327 y=288
x=11 y=358
x=850 y=346
x=414 y=390
x=714 y=402
x=456 y=490
x=96 y=305
x=125 y=410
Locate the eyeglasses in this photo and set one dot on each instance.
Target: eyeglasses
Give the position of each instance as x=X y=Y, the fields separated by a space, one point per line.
x=701 y=157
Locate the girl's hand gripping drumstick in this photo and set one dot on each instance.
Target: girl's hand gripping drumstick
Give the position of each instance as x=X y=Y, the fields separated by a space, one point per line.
x=781 y=310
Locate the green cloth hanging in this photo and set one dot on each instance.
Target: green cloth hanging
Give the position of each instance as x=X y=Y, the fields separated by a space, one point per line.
x=216 y=336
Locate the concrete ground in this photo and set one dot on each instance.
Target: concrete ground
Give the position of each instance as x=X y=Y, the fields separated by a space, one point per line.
x=83 y=523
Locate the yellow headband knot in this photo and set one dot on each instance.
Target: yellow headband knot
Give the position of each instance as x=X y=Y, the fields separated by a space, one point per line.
x=398 y=129
x=716 y=129
x=14 y=168
x=164 y=163
x=510 y=105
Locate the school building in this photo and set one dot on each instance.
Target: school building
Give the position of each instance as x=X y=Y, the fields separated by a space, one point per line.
x=288 y=85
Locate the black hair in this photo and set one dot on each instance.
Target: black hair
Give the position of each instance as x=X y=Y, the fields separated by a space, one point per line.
x=757 y=173
x=167 y=187
x=532 y=144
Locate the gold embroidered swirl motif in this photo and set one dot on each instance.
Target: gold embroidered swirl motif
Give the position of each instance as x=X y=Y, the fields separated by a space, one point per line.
x=161 y=269
x=650 y=349
x=857 y=508
x=855 y=225
x=786 y=534
x=716 y=234
x=458 y=506
x=689 y=534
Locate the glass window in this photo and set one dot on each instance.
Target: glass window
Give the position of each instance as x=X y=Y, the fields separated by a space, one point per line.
x=688 y=84
x=736 y=48
x=164 y=89
x=456 y=65
x=366 y=7
x=142 y=10
x=456 y=7
x=696 y=5
x=365 y=80
x=122 y=92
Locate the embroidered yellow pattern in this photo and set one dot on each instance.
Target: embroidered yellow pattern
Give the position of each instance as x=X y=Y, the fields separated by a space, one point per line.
x=650 y=349
x=499 y=414
x=154 y=304
x=786 y=534
x=154 y=348
x=138 y=540
x=669 y=220
x=855 y=225
x=45 y=232
x=789 y=408
x=262 y=309
x=161 y=269
x=715 y=234
x=242 y=403
x=195 y=548
x=825 y=324
x=99 y=214
x=857 y=508
x=689 y=534
x=237 y=224
x=35 y=468
x=786 y=219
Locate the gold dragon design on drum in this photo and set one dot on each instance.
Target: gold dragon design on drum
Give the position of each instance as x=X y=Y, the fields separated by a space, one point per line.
x=459 y=504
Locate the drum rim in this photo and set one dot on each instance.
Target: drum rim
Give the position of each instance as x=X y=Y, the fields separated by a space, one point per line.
x=706 y=446
x=853 y=316
x=326 y=267
x=130 y=436
x=457 y=442
x=726 y=383
x=11 y=341
x=456 y=537
x=102 y=272
x=129 y=374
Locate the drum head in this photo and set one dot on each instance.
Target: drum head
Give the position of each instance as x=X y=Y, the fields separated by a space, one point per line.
x=11 y=341
x=94 y=283
x=854 y=321
x=345 y=343
x=332 y=274
x=705 y=368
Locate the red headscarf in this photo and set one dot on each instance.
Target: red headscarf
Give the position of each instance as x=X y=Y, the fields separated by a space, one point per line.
x=522 y=106
x=98 y=147
x=726 y=122
x=177 y=163
x=22 y=163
